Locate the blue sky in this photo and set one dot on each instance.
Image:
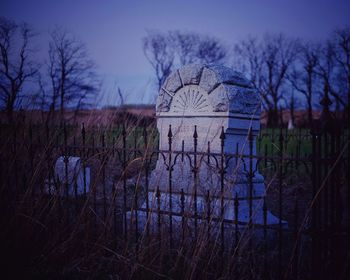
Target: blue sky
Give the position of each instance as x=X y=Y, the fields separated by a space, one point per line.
x=113 y=30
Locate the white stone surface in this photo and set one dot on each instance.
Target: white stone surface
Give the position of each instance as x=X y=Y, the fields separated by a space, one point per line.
x=191 y=74
x=173 y=82
x=163 y=101
x=69 y=171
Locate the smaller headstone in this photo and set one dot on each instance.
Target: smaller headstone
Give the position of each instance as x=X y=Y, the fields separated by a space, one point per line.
x=69 y=171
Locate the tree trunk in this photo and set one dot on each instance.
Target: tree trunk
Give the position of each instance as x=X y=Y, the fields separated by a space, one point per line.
x=9 y=113
x=272 y=117
x=347 y=112
x=10 y=109
x=309 y=112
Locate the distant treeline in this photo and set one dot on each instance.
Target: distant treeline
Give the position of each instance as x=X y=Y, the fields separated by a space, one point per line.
x=288 y=73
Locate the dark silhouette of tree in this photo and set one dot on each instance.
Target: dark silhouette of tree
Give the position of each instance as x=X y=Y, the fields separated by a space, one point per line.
x=278 y=55
x=16 y=65
x=190 y=47
x=210 y=50
x=185 y=46
x=159 y=51
x=292 y=105
x=326 y=70
x=303 y=78
x=248 y=58
x=341 y=42
x=267 y=62
x=165 y=51
x=72 y=74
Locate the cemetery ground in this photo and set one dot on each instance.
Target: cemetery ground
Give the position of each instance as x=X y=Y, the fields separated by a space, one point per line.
x=83 y=236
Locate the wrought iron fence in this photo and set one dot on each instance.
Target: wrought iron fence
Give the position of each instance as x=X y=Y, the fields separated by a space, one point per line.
x=105 y=176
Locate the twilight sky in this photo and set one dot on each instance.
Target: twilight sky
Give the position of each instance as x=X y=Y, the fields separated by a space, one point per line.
x=113 y=30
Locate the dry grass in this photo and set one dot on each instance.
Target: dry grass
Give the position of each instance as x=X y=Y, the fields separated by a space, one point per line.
x=55 y=237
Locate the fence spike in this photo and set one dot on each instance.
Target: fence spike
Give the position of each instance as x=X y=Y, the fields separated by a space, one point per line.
x=157 y=193
x=170 y=134
x=208 y=151
x=222 y=135
x=182 y=150
x=281 y=135
x=236 y=203
x=123 y=130
x=195 y=134
x=250 y=134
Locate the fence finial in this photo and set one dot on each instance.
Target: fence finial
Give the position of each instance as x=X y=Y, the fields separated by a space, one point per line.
x=170 y=134
x=123 y=130
x=222 y=135
x=250 y=134
x=195 y=134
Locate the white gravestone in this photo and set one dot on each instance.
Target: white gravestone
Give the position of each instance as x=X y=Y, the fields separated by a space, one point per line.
x=209 y=99
x=69 y=172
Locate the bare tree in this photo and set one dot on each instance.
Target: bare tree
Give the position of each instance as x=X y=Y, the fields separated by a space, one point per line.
x=165 y=51
x=248 y=58
x=72 y=74
x=16 y=66
x=185 y=45
x=278 y=55
x=292 y=105
x=210 y=50
x=192 y=47
x=160 y=54
x=268 y=62
x=327 y=71
x=303 y=78
x=341 y=41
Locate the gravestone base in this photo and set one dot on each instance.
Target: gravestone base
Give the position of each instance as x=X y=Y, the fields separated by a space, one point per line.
x=235 y=186
x=232 y=184
x=245 y=208
x=157 y=218
x=185 y=231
